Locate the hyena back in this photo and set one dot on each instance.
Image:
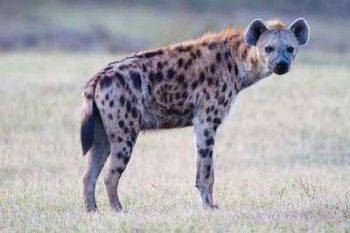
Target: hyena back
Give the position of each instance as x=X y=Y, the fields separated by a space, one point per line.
x=192 y=83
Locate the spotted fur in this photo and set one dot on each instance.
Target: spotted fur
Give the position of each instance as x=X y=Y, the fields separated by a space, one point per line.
x=191 y=83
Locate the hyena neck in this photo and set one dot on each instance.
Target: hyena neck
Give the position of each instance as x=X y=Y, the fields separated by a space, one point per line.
x=249 y=69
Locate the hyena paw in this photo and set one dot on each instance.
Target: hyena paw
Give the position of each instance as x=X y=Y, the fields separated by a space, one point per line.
x=91 y=209
x=211 y=206
x=118 y=208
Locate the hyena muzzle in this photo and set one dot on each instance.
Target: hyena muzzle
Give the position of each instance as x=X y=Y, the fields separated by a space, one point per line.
x=191 y=83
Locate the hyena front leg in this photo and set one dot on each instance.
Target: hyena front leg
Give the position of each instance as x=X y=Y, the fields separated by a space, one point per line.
x=97 y=157
x=205 y=135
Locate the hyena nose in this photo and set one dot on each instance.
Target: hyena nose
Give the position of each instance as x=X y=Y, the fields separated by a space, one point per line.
x=281 y=67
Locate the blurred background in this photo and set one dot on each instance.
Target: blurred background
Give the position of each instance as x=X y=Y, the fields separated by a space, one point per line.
x=125 y=26
x=281 y=160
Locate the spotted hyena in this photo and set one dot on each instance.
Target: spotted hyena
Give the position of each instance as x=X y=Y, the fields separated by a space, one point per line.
x=191 y=83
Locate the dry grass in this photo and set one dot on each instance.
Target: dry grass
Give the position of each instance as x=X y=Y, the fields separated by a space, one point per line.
x=282 y=159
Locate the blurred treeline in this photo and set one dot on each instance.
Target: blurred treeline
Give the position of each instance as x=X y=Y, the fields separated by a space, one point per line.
x=339 y=7
x=126 y=26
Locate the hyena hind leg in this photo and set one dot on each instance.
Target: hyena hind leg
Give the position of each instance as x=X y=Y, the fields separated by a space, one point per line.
x=97 y=157
x=119 y=158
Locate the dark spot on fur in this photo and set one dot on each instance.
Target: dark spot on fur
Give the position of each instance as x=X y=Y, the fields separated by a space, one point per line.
x=136 y=80
x=112 y=135
x=120 y=139
x=113 y=171
x=121 y=124
x=159 y=65
x=151 y=76
x=105 y=82
x=217 y=121
x=158 y=76
x=203 y=152
x=209 y=168
x=144 y=68
x=120 y=155
x=212 y=68
x=227 y=54
x=126 y=130
x=120 y=170
x=193 y=55
x=229 y=66
x=134 y=112
x=209 y=141
x=123 y=67
x=154 y=53
x=180 y=103
x=188 y=64
x=88 y=96
x=198 y=53
x=129 y=144
x=207 y=177
x=180 y=62
x=111 y=103
x=194 y=85
x=110 y=116
x=218 y=57
x=128 y=106
x=108 y=68
x=184 y=48
x=180 y=78
x=224 y=87
x=120 y=78
x=236 y=70
x=201 y=77
x=126 y=159
x=212 y=45
x=171 y=73
x=122 y=100
x=226 y=103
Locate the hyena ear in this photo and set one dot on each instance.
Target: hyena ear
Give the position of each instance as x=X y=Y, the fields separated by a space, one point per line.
x=301 y=31
x=254 y=31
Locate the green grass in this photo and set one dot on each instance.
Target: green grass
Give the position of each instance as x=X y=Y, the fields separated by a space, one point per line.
x=282 y=158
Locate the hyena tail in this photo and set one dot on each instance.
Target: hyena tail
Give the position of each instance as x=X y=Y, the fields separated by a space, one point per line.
x=89 y=112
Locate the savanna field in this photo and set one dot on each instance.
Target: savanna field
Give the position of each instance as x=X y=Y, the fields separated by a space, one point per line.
x=282 y=157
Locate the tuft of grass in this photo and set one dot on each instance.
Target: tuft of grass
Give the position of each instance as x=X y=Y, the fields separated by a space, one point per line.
x=281 y=161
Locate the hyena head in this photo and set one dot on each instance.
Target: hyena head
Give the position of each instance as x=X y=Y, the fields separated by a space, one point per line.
x=276 y=44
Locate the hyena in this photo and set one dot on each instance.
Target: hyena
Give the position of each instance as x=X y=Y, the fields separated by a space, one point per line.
x=191 y=83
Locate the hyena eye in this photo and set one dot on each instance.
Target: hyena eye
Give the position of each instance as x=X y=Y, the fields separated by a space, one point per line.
x=268 y=49
x=290 y=49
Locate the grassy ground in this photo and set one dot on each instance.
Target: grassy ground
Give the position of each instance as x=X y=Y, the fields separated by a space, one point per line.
x=282 y=159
